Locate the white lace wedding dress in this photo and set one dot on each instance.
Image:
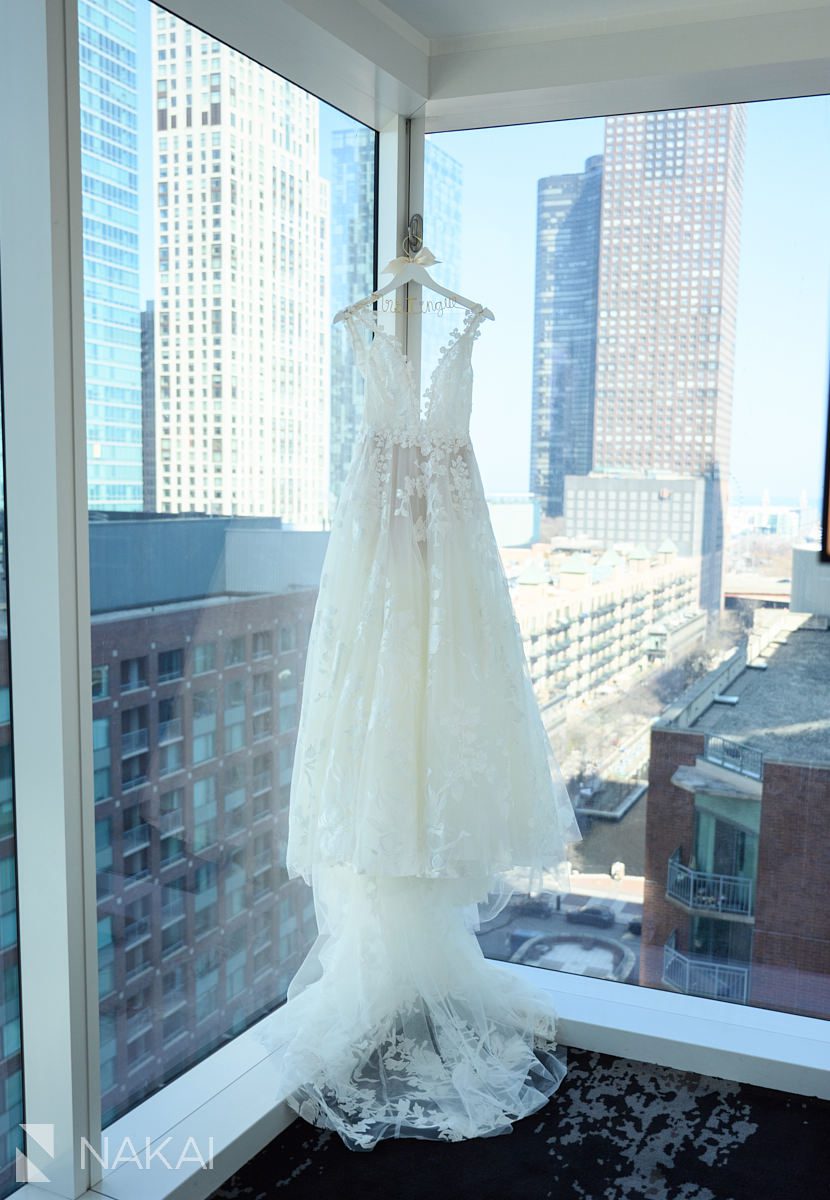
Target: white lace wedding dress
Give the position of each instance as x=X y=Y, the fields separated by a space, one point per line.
x=424 y=784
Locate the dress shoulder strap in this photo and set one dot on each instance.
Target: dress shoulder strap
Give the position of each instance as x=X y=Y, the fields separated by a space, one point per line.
x=358 y=326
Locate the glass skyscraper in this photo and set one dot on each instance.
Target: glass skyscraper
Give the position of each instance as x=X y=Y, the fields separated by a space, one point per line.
x=109 y=164
x=242 y=427
x=352 y=209
x=352 y=265
x=636 y=298
x=443 y=185
x=668 y=297
x=565 y=334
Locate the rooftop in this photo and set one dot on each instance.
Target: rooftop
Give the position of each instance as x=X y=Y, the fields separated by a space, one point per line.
x=746 y=583
x=784 y=711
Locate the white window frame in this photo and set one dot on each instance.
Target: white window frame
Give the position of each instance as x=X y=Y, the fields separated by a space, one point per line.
x=41 y=285
x=384 y=74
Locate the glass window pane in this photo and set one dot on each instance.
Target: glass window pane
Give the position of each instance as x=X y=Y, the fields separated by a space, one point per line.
x=649 y=414
x=11 y=1062
x=227 y=215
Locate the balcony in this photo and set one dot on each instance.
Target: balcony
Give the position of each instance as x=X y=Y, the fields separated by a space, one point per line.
x=173 y=908
x=696 y=975
x=170 y=731
x=170 y=822
x=704 y=891
x=129 y=783
x=235 y=714
x=745 y=760
x=136 y=684
x=136 y=838
x=204 y=723
x=262 y=782
x=134 y=742
x=136 y=930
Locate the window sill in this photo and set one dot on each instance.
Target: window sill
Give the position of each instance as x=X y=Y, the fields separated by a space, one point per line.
x=710 y=1037
x=232 y=1096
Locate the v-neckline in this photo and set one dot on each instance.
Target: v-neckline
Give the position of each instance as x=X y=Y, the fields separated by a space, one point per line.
x=424 y=401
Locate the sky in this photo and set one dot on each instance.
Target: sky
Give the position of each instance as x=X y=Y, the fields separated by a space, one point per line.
x=783 y=333
x=783 y=328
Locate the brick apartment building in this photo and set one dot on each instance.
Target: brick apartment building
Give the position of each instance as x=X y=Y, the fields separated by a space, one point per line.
x=199 y=637
x=738 y=828
x=589 y=619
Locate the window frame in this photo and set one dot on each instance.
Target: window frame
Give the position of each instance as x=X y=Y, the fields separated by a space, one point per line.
x=713 y=1037
x=41 y=267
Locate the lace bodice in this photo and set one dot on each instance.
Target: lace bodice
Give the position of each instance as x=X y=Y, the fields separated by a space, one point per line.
x=392 y=404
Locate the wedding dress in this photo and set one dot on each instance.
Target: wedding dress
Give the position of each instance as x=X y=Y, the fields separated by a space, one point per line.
x=424 y=784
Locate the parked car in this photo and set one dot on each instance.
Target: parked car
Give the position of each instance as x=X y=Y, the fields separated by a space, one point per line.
x=533 y=906
x=592 y=914
x=635 y=927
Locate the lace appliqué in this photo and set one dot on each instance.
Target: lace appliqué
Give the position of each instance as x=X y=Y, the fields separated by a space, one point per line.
x=461 y=484
x=415 y=475
x=455 y=1047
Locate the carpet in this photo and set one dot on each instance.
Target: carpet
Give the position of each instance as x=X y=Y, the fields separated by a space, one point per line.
x=615 y=1130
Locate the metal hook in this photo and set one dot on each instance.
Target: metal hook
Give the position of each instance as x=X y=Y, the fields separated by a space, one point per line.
x=414 y=237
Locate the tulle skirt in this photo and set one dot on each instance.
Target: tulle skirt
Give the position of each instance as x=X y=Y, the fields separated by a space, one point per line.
x=397 y=1026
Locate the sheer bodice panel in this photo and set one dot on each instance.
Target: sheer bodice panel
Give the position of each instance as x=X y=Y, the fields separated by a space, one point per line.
x=392 y=403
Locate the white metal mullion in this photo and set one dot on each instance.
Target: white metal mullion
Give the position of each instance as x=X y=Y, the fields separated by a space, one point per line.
x=393 y=206
x=400 y=194
x=415 y=196
x=42 y=296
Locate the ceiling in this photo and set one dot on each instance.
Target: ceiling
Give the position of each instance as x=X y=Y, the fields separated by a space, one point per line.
x=442 y=20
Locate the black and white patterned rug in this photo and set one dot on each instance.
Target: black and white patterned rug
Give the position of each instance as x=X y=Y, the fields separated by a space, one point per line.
x=615 y=1130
